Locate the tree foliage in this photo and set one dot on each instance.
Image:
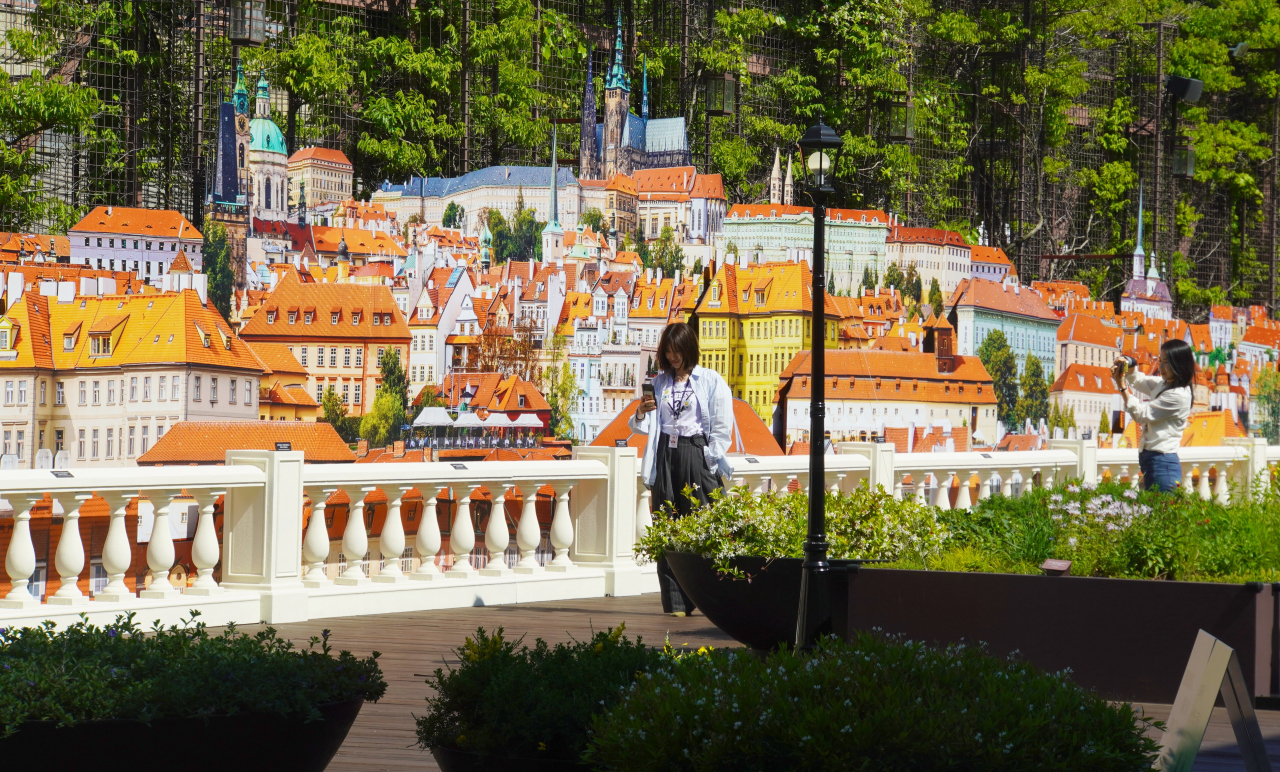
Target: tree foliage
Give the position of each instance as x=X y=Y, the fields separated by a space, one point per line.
x=593 y=218
x=216 y=264
x=454 y=216
x=1033 y=403
x=996 y=355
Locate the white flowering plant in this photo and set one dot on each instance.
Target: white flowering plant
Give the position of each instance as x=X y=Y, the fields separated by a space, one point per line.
x=872 y=703
x=865 y=524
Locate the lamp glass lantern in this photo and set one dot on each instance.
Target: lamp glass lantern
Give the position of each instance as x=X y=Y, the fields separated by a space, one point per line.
x=820 y=147
x=1184 y=159
x=721 y=95
x=248 y=22
x=902 y=119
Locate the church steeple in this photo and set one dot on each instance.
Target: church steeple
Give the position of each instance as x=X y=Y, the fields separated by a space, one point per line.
x=1139 y=255
x=618 y=73
x=552 y=233
x=554 y=212
x=263 y=107
x=240 y=97
x=644 y=99
x=787 y=186
x=775 y=179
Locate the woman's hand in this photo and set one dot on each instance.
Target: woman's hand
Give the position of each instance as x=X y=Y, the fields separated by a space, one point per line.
x=1117 y=373
x=647 y=403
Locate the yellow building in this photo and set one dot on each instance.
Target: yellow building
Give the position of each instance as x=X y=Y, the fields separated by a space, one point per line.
x=324 y=173
x=752 y=321
x=282 y=395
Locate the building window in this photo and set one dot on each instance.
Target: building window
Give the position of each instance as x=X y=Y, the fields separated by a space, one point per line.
x=43 y=390
x=248 y=391
x=195 y=389
x=145 y=439
x=159 y=432
x=131 y=438
x=161 y=392
x=84 y=393
x=231 y=392
x=146 y=388
x=380 y=352
x=346 y=393
x=304 y=356
x=97 y=393
x=360 y=357
x=133 y=389
x=333 y=356
x=346 y=357
x=59 y=393
x=333 y=318
x=213 y=389
x=93 y=445
x=175 y=387
x=358 y=393
x=111 y=443
x=319 y=393
x=81 y=449
x=8 y=392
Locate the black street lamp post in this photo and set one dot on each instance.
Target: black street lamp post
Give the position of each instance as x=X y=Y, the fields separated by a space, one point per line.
x=820 y=147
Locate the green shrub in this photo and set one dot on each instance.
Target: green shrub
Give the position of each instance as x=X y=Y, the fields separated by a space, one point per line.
x=871 y=704
x=505 y=701
x=119 y=671
x=1116 y=531
x=863 y=524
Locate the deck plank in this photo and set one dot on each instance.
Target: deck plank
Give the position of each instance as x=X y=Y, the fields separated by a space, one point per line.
x=383 y=739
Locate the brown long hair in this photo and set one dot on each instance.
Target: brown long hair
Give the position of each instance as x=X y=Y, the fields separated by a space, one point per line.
x=680 y=337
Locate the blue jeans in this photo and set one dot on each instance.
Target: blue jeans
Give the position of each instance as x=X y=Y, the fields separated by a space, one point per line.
x=1159 y=470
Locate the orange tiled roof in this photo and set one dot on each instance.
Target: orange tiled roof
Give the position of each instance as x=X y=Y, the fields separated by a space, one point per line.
x=277 y=359
x=181 y=264
x=983 y=293
x=1087 y=378
x=855 y=374
x=295 y=394
x=708 y=186
x=621 y=183
x=981 y=254
x=1090 y=330
x=320 y=154
x=207 y=442
x=345 y=298
x=152 y=223
x=669 y=179
x=925 y=236
x=359 y=242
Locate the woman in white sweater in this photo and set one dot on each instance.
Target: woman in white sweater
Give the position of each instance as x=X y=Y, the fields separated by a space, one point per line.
x=1164 y=416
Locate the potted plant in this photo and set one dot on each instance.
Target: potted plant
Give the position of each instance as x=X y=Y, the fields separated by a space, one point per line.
x=870 y=703
x=739 y=557
x=215 y=701
x=506 y=702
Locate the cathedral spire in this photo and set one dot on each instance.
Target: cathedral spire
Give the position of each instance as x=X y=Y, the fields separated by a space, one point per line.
x=555 y=169
x=240 y=97
x=787 y=186
x=775 y=179
x=1139 y=255
x=618 y=73
x=644 y=99
x=587 y=153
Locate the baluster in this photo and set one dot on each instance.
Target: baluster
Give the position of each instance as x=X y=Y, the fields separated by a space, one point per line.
x=69 y=558
x=757 y=483
x=497 y=536
x=529 y=531
x=117 y=553
x=20 y=559
x=355 y=539
x=462 y=535
x=1202 y=470
x=838 y=485
x=1222 y=491
x=204 y=547
x=918 y=480
x=898 y=477
x=427 y=541
x=160 y=552
x=561 y=528
x=1035 y=471
x=644 y=515
x=1135 y=479
x=1006 y=483
x=942 y=492
x=985 y=484
x=964 y=499
x=315 y=543
x=391 y=542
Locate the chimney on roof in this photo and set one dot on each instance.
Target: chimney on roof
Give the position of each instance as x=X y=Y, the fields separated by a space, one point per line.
x=362 y=448
x=397 y=449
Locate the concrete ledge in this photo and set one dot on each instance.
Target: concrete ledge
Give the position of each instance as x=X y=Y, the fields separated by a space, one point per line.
x=454 y=593
x=215 y=610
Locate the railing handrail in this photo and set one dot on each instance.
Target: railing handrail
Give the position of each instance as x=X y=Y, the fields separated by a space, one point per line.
x=978 y=460
x=103 y=480
x=797 y=464
x=446 y=473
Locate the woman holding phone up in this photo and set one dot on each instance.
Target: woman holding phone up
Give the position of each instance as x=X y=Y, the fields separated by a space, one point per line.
x=688 y=418
x=1164 y=417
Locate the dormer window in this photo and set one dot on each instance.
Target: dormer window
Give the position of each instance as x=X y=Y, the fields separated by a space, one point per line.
x=293 y=317
x=386 y=320
x=759 y=298
x=68 y=342
x=355 y=317
x=306 y=318
x=377 y=320
x=271 y=317
x=333 y=318
x=101 y=344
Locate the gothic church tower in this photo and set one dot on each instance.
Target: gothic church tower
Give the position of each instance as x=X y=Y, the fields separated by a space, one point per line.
x=587 y=150
x=617 y=103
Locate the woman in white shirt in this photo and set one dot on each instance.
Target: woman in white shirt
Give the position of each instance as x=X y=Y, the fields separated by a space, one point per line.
x=1164 y=417
x=688 y=421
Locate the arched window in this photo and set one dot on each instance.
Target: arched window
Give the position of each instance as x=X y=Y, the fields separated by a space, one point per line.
x=268 y=196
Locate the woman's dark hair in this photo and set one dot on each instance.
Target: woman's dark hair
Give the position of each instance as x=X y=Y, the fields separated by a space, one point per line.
x=680 y=338
x=1181 y=360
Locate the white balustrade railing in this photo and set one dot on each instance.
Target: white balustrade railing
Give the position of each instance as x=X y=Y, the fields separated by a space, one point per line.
x=276 y=563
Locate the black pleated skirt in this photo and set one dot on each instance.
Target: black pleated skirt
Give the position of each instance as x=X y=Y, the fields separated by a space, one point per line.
x=674 y=470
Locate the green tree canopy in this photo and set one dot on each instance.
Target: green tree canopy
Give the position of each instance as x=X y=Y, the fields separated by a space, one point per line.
x=665 y=253
x=996 y=355
x=593 y=218
x=216 y=264
x=1033 y=404
x=454 y=216
x=935 y=298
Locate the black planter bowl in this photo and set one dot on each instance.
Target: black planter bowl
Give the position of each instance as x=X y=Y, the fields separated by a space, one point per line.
x=454 y=760
x=245 y=741
x=760 y=613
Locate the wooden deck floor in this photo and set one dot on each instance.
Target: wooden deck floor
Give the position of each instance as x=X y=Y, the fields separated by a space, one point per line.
x=383 y=736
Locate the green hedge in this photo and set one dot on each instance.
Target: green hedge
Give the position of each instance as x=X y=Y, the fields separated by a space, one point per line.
x=123 y=672
x=871 y=704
